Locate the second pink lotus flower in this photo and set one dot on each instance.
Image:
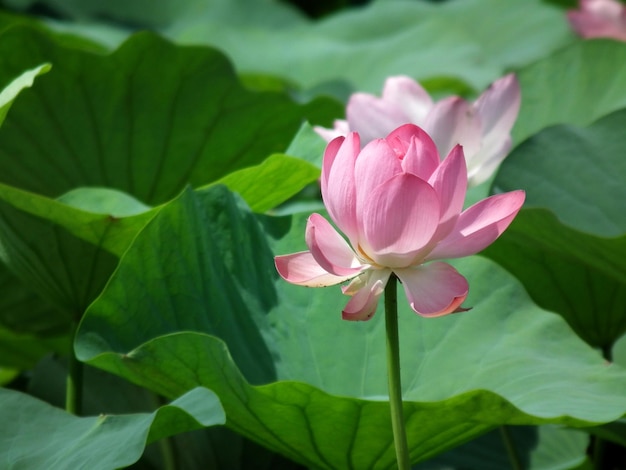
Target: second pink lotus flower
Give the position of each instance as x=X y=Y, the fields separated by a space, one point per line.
x=483 y=127
x=599 y=19
x=400 y=208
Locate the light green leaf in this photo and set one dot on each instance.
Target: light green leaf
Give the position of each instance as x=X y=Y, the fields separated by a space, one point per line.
x=10 y=92
x=104 y=201
x=272 y=182
x=475 y=41
x=307 y=145
x=188 y=307
x=102 y=442
x=575 y=85
x=472 y=40
x=212 y=448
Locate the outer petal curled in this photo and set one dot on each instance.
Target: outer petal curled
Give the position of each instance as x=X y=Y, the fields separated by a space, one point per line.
x=434 y=290
x=480 y=225
x=365 y=291
x=302 y=269
x=329 y=248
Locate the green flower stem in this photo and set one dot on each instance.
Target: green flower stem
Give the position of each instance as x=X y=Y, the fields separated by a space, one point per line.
x=166 y=444
x=74 y=387
x=516 y=463
x=600 y=445
x=393 y=374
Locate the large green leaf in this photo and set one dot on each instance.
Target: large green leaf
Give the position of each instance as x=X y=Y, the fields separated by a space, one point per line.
x=154 y=117
x=146 y=14
x=58 y=255
x=65 y=271
x=580 y=276
x=99 y=442
x=575 y=85
x=577 y=173
x=196 y=301
x=215 y=447
x=22 y=310
x=564 y=256
x=474 y=40
x=144 y=133
x=104 y=217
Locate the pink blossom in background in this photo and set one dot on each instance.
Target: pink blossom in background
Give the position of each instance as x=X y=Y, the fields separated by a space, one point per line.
x=483 y=127
x=400 y=208
x=599 y=19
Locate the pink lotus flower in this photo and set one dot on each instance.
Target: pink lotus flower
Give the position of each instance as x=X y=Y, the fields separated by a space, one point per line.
x=483 y=127
x=400 y=209
x=599 y=19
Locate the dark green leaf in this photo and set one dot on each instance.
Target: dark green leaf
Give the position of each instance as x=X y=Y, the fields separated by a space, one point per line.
x=563 y=256
x=154 y=117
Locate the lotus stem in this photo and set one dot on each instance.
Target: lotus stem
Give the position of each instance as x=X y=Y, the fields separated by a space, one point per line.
x=599 y=445
x=74 y=383
x=516 y=463
x=393 y=374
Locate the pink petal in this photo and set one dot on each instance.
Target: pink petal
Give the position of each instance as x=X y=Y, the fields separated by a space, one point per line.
x=338 y=185
x=341 y=129
x=481 y=168
x=376 y=164
x=399 y=218
x=373 y=117
x=409 y=96
x=330 y=154
x=498 y=107
x=433 y=290
x=497 y=110
x=454 y=121
x=329 y=248
x=423 y=158
x=365 y=290
x=479 y=226
x=599 y=18
x=302 y=269
x=450 y=183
